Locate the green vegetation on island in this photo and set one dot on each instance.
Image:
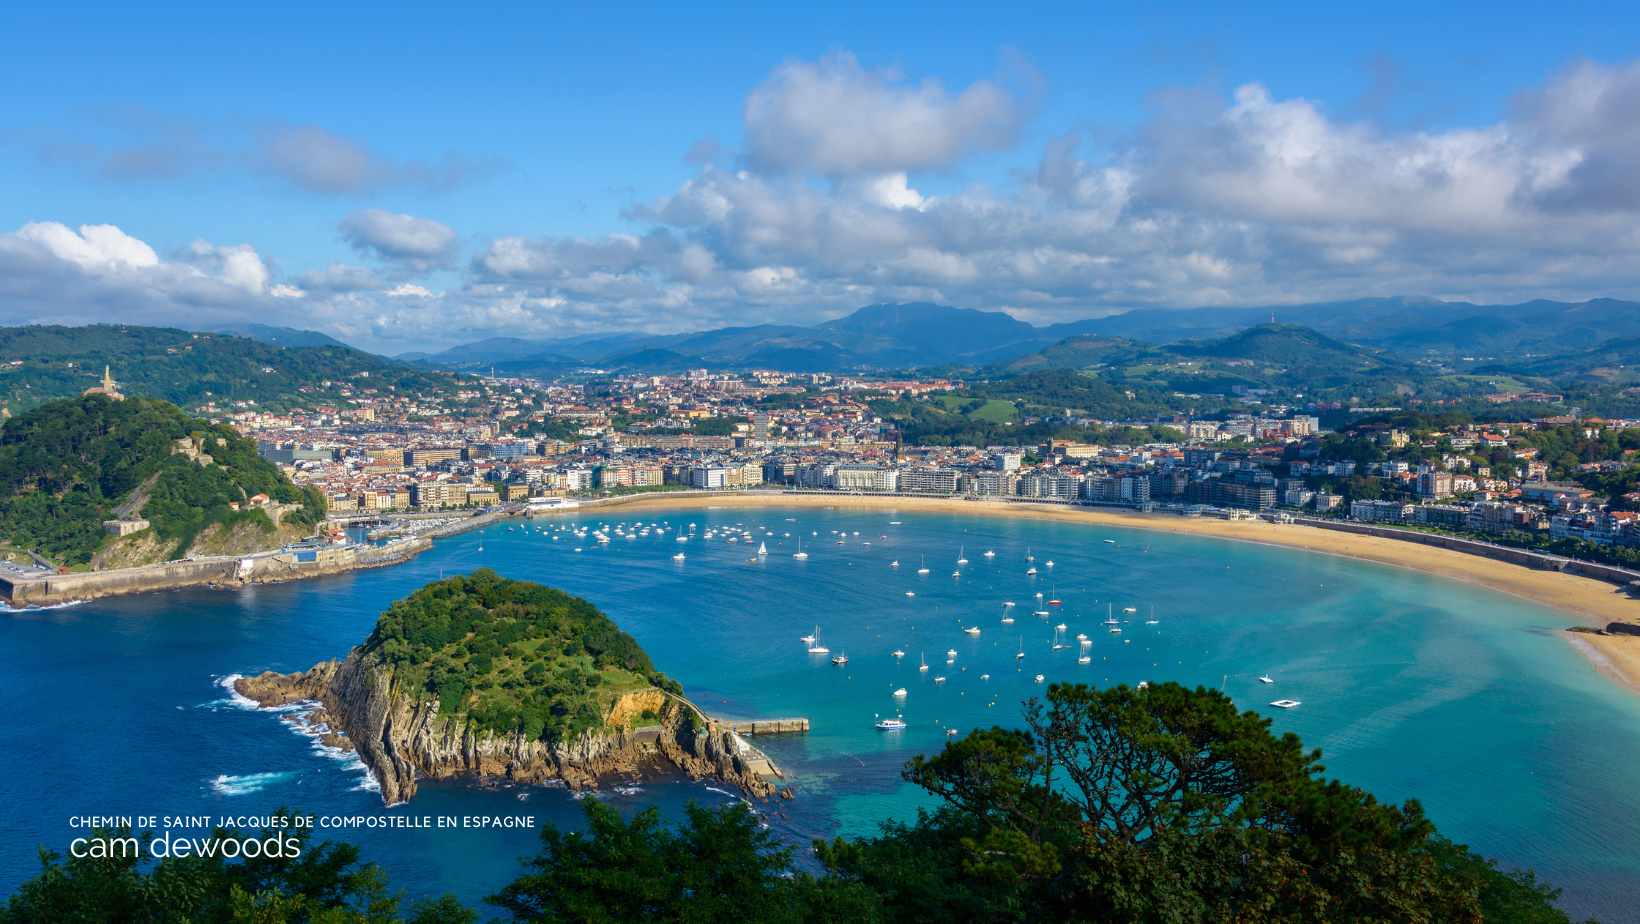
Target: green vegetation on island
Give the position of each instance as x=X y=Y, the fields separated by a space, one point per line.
x=1165 y=804
x=511 y=655
x=67 y=466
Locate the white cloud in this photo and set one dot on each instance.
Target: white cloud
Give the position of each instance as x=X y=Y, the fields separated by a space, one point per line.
x=420 y=242
x=1247 y=198
x=835 y=117
x=94 y=247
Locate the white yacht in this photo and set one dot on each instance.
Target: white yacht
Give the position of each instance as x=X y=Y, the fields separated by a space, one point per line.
x=1265 y=678
x=972 y=630
x=894 y=724
x=800 y=555
x=1285 y=703
x=840 y=658
x=990 y=554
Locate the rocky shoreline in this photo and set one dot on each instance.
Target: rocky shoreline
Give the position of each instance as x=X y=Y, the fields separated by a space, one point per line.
x=401 y=738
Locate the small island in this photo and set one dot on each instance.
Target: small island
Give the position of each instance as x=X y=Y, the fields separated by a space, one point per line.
x=497 y=679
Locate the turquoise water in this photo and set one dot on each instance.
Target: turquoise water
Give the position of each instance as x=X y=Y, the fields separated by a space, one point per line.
x=1412 y=686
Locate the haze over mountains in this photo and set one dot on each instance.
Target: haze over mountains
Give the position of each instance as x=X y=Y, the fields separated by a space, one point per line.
x=928 y=335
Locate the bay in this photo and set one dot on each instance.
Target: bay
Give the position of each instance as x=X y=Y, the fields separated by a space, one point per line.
x=1413 y=686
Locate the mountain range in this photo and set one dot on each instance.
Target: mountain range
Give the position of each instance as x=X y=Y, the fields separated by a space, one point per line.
x=895 y=336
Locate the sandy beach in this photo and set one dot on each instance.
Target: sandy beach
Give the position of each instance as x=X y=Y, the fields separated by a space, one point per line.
x=1588 y=602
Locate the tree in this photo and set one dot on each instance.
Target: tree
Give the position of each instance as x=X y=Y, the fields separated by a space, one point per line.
x=326 y=883
x=1162 y=804
x=720 y=865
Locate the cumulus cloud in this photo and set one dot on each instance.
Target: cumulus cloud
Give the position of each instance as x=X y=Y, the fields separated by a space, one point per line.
x=397 y=237
x=835 y=117
x=1243 y=197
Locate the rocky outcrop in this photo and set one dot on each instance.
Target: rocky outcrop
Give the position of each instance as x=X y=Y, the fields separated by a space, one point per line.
x=402 y=737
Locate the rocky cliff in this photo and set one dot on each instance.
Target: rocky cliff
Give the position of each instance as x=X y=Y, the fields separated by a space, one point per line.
x=401 y=737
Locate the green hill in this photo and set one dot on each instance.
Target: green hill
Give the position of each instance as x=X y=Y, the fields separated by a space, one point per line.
x=511 y=655
x=66 y=466
x=1081 y=353
x=39 y=363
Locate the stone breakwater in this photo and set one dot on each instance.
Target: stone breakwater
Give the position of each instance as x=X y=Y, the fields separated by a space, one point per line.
x=224 y=572
x=401 y=737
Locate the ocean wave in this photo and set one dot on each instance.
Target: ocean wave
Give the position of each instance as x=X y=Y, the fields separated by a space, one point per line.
x=238 y=700
x=36 y=608
x=229 y=785
x=291 y=715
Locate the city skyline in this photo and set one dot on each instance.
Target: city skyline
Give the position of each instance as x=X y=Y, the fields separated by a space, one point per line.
x=559 y=176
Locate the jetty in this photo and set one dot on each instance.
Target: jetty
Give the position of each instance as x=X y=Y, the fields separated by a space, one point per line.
x=798 y=726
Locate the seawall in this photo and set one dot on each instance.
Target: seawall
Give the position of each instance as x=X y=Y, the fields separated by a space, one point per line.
x=262 y=568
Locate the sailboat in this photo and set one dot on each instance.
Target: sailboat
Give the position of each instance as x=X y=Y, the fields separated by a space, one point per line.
x=840 y=658
x=923 y=568
x=972 y=630
x=800 y=555
x=815 y=647
x=1021 y=655
x=923 y=667
x=962 y=559
x=762 y=550
x=1054 y=600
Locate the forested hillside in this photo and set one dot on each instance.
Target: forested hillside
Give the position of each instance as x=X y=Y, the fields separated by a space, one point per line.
x=39 y=363
x=68 y=465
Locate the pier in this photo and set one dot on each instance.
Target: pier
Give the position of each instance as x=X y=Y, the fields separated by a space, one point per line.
x=798 y=726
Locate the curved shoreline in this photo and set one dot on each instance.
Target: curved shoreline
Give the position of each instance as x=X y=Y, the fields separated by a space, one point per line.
x=1592 y=603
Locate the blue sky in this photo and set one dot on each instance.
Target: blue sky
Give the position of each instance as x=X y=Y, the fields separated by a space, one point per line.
x=412 y=178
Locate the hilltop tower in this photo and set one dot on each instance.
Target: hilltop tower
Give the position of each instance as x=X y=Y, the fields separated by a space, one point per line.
x=109 y=388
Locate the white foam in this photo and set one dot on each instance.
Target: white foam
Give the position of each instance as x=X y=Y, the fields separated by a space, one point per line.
x=230 y=785
x=36 y=608
x=292 y=715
